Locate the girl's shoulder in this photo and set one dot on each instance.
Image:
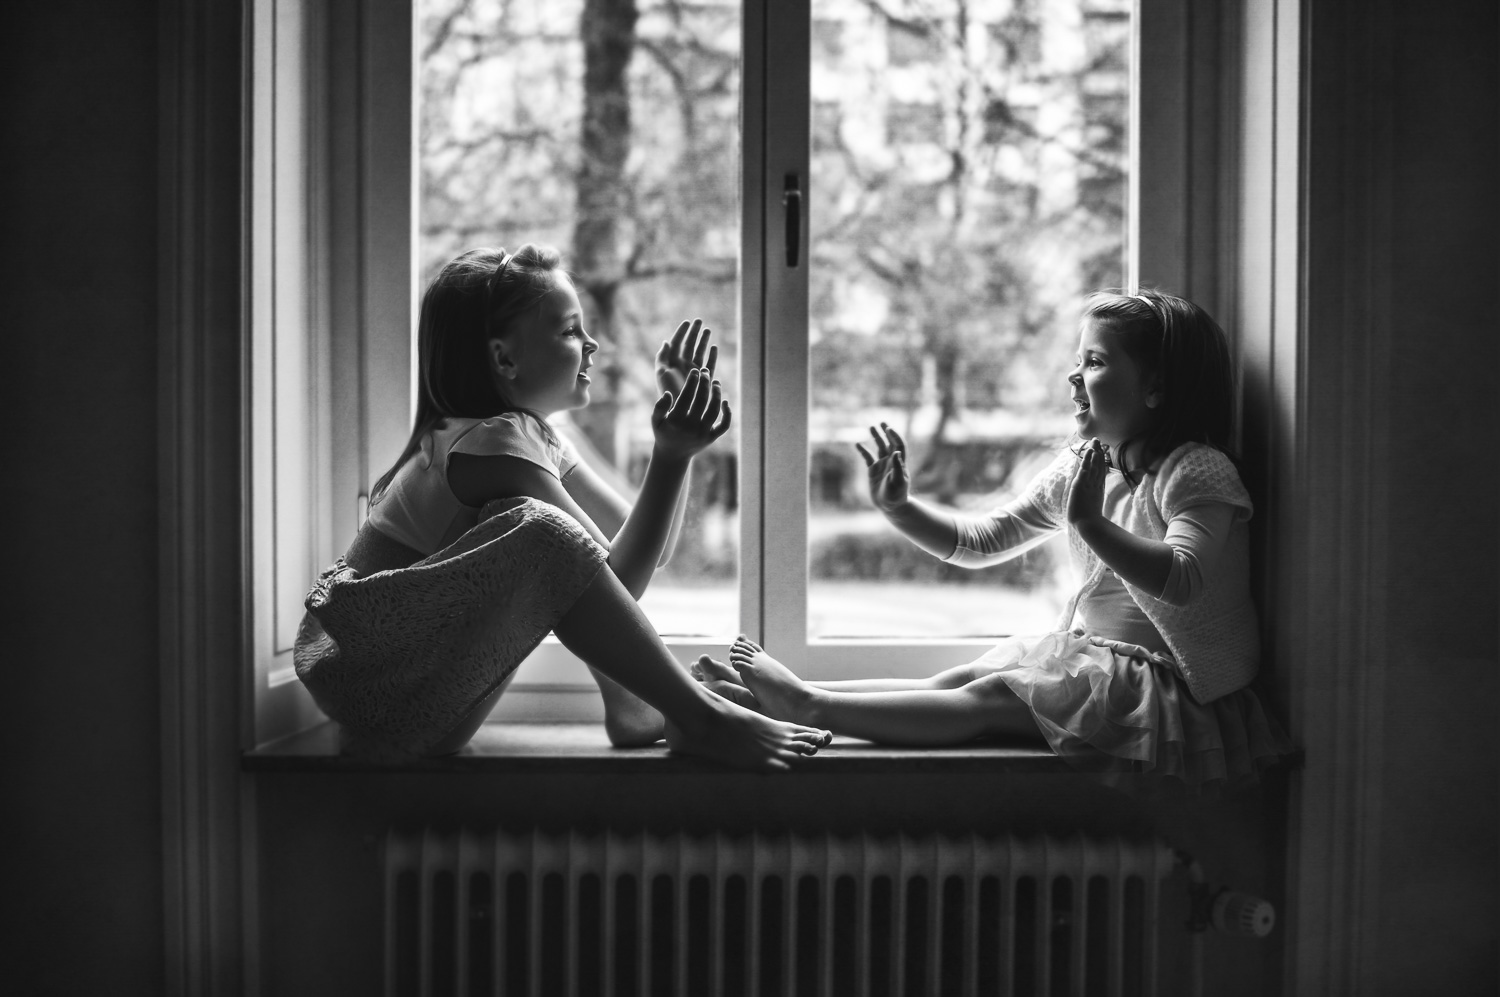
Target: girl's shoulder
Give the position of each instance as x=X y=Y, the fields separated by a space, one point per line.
x=512 y=434
x=1196 y=473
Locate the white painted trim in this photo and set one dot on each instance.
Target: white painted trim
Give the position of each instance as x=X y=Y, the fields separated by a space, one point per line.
x=331 y=204
x=754 y=41
x=784 y=384
x=281 y=315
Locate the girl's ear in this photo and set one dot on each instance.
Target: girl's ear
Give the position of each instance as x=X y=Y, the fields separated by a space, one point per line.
x=1154 y=394
x=501 y=362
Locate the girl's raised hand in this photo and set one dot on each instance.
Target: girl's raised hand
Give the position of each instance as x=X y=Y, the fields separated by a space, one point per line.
x=890 y=488
x=1086 y=497
x=686 y=351
x=686 y=422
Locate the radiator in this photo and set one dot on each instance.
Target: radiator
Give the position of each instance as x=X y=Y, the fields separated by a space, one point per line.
x=541 y=913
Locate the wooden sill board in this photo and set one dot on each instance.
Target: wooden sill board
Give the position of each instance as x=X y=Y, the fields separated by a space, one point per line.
x=583 y=748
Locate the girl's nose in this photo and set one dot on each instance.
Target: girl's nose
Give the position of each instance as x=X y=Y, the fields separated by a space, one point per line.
x=1075 y=379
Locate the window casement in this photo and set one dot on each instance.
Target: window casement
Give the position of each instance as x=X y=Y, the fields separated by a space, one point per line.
x=334 y=278
x=329 y=304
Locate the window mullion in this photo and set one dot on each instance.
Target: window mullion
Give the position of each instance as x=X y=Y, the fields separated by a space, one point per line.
x=782 y=450
x=749 y=402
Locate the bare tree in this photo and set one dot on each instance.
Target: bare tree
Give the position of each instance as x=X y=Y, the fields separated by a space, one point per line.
x=607 y=28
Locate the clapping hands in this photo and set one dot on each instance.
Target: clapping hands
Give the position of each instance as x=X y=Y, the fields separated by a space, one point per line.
x=688 y=350
x=890 y=487
x=691 y=412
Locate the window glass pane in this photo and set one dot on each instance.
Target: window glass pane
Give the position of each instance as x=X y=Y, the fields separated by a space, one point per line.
x=968 y=189
x=644 y=205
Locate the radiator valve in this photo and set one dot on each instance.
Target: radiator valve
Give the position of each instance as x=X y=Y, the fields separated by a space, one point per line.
x=1241 y=914
x=1230 y=912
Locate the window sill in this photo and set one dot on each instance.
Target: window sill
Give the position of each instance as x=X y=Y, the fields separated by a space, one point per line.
x=535 y=748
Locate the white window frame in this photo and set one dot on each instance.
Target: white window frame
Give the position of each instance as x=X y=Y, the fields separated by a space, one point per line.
x=329 y=303
x=332 y=221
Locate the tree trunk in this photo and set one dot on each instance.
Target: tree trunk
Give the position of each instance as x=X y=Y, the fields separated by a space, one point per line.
x=607 y=28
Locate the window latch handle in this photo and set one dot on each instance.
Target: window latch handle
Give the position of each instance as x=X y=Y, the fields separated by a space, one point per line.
x=791 y=199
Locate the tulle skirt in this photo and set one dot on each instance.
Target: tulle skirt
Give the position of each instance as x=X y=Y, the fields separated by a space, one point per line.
x=400 y=658
x=1108 y=706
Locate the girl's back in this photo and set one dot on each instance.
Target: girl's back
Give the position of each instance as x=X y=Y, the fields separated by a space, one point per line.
x=419 y=509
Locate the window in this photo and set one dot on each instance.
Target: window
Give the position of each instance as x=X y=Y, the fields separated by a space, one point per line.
x=329 y=304
x=941 y=266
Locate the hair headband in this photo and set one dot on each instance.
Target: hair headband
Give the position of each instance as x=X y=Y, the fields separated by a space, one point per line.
x=489 y=283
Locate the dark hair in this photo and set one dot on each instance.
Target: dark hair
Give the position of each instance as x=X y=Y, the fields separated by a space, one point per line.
x=472 y=300
x=1179 y=344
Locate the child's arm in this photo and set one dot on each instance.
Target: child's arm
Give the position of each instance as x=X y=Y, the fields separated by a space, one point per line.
x=683 y=427
x=968 y=541
x=928 y=527
x=1172 y=569
x=689 y=349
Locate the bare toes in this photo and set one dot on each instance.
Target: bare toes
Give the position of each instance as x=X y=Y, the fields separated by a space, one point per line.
x=716 y=669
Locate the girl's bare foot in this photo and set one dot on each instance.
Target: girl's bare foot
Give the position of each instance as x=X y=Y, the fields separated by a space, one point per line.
x=736 y=736
x=719 y=678
x=779 y=692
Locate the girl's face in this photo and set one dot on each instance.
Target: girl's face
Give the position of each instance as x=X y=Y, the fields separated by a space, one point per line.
x=1112 y=397
x=543 y=360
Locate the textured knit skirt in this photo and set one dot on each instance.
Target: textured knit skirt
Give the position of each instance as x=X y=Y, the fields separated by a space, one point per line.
x=1107 y=706
x=399 y=658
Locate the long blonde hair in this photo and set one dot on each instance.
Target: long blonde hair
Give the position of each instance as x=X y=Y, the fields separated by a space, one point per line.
x=475 y=298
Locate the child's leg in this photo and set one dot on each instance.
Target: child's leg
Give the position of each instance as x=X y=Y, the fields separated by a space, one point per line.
x=911 y=717
x=606 y=628
x=951 y=678
x=629 y=720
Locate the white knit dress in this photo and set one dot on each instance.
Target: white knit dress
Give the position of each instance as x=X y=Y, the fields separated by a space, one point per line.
x=1160 y=688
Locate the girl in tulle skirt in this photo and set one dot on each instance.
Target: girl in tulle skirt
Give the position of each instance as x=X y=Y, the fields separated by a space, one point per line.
x=1149 y=667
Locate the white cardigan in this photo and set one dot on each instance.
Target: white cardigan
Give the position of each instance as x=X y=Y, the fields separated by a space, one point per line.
x=1214 y=637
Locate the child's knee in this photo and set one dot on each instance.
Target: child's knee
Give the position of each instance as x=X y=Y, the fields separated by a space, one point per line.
x=990 y=690
x=539 y=520
x=952 y=678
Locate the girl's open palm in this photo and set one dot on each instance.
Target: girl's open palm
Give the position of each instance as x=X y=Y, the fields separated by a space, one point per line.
x=686 y=351
x=890 y=487
x=1086 y=496
x=685 y=423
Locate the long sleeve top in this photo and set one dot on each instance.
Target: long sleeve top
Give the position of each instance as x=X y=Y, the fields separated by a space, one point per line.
x=1195 y=502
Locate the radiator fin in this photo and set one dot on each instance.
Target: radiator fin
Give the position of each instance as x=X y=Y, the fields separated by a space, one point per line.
x=487 y=912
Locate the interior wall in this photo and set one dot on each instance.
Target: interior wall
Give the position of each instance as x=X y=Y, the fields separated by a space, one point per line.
x=1439 y=881
x=80 y=738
